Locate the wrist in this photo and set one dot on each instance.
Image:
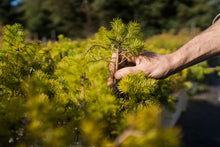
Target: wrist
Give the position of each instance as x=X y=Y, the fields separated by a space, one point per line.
x=175 y=62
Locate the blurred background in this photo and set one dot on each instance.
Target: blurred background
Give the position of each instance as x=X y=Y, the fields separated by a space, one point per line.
x=82 y=18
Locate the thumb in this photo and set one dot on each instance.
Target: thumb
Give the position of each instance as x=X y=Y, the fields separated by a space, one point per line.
x=125 y=71
x=112 y=69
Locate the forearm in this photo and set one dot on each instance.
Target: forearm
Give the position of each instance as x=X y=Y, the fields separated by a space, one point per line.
x=200 y=48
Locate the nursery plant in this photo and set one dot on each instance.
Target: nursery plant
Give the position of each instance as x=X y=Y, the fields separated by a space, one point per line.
x=55 y=94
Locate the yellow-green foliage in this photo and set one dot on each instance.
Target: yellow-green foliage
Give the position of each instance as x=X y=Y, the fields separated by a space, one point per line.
x=141 y=128
x=64 y=47
x=167 y=42
x=121 y=38
x=53 y=95
x=141 y=90
x=1 y=34
x=218 y=69
x=147 y=133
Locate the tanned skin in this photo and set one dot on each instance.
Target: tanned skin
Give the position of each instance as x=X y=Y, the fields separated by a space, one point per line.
x=202 y=47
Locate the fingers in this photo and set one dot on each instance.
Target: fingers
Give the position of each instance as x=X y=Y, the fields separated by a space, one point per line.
x=112 y=69
x=125 y=71
x=112 y=66
x=123 y=62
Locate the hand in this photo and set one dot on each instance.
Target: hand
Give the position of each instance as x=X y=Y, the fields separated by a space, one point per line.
x=201 y=47
x=152 y=64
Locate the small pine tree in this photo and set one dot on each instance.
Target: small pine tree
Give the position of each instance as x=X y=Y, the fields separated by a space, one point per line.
x=121 y=39
x=126 y=40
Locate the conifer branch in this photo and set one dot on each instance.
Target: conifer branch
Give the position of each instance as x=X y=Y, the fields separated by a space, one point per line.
x=123 y=61
x=94 y=73
x=99 y=59
x=9 y=30
x=30 y=73
x=128 y=132
x=8 y=42
x=122 y=106
x=83 y=78
x=95 y=46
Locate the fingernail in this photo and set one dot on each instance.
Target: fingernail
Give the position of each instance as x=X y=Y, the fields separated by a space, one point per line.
x=118 y=75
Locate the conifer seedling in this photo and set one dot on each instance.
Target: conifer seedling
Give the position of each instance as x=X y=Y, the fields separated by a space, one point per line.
x=124 y=40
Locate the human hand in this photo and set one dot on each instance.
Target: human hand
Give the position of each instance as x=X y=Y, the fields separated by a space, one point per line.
x=152 y=64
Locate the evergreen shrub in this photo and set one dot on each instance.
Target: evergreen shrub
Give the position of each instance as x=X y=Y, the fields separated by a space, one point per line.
x=55 y=95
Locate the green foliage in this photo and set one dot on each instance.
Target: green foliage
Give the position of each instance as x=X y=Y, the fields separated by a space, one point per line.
x=218 y=70
x=40 y=24
x=81 y=18
x=121 y=38
x=53 y=95
x=139 y=133
x=146 y=91
x=9 y=14
x=19 y=59
x=167 y=42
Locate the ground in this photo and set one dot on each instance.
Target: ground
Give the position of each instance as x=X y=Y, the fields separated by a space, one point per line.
x=201 y=122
